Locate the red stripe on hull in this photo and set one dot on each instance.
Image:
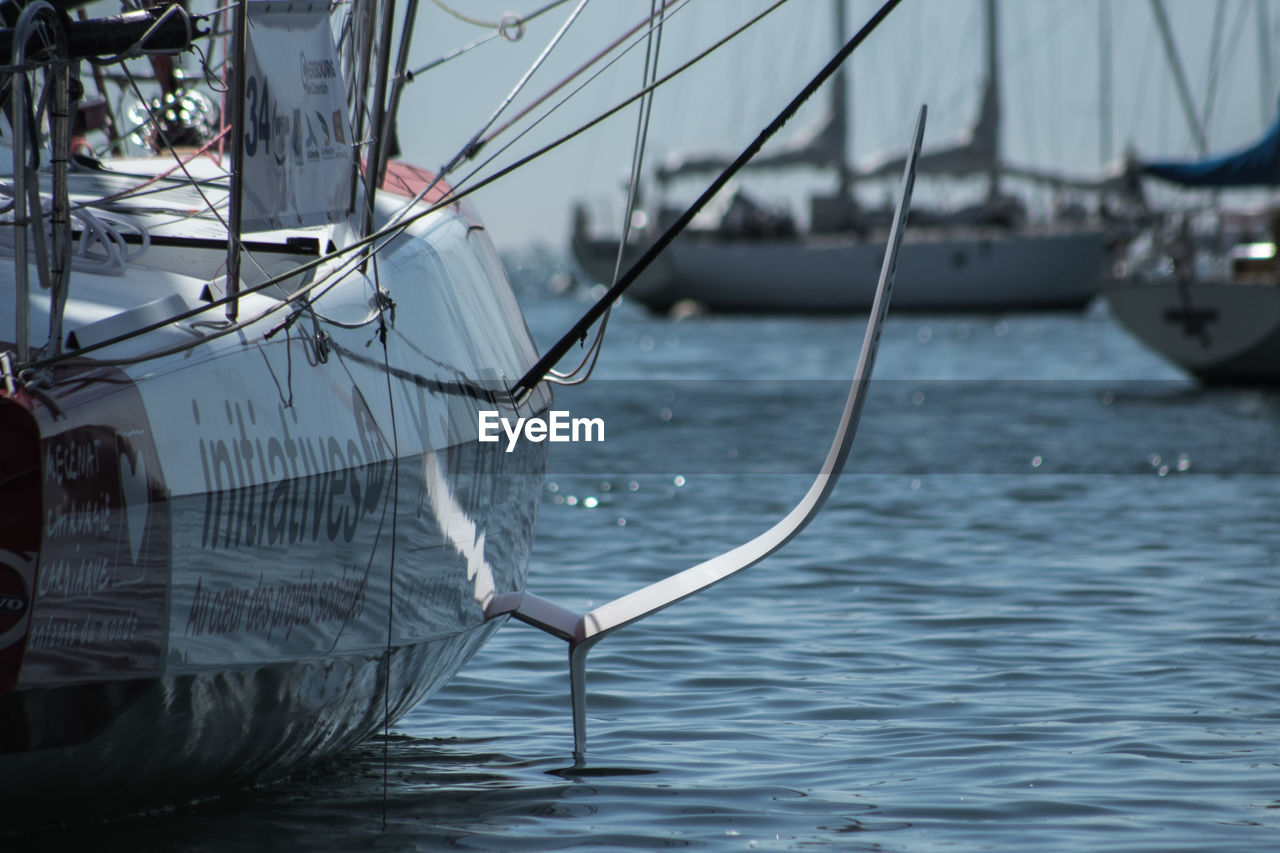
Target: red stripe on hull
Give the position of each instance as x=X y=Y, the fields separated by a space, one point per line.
x=407 y=180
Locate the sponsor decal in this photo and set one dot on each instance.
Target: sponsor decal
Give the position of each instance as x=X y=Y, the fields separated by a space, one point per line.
x=97 y=562
x=267 y=482
x=277 y=607
x=98 y=598
x=297 y=157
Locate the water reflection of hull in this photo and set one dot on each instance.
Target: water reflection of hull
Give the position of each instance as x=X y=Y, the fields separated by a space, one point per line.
x=220 y=563
x=175 y=738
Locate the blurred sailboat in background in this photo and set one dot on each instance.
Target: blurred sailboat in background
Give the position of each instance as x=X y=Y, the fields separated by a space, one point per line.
x=1202 y=288
x=989 y=256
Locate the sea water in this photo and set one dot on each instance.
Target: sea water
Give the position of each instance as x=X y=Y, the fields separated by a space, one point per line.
x=1040 y=611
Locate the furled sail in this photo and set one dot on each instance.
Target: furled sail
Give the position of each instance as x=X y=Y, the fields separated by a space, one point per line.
x=822 y=147
x=976 y=153
x=1256 y=165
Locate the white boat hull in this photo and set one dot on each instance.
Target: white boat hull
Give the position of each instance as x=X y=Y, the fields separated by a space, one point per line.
x=259 y=550
x=1219 y=332
x=940 y=271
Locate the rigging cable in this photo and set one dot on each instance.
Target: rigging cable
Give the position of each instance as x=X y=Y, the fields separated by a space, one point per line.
x=592 y=355
x=517 y=20
x=510 y=26
x=383 y=304
x=604 y=51
x=457 y=194
x=136 y=190
x=474 y=145
x=465 y=18
x=390 y=231
x=1215 y=52
x=549 y=359
x=1211 y=95
x=182 y=164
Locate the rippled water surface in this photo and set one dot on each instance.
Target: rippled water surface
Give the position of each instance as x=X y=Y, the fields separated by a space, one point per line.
x=1040 y=613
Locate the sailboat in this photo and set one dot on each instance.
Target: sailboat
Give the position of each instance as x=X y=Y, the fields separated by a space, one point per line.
x=248 y=511
x=750 y=257
x=246 y=520
x=1204 y=292
x=1202 y=288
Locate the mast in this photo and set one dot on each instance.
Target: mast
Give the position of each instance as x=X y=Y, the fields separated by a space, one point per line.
x=1179 y=76
x=1215 y=62
x=240 y=38
x=1267 y=90
x=360 y=52
x=840 y=130
x=1104 y=80
x=991 y=97
x=398 y=80
x=379 y=126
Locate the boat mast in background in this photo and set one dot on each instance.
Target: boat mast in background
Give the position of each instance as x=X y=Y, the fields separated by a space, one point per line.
x=1267 y=89
x=841 y=126
x=985 y=253
x=1105 y=135
x=1180 y=77
x=991 y=108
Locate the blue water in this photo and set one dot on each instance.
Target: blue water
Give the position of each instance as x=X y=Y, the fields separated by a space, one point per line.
x=1041 y=612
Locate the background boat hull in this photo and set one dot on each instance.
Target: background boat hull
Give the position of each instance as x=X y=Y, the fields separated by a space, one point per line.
x=980 y=271
x=1219 y=332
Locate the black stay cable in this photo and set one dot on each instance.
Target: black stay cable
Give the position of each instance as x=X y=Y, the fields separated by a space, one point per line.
x=384 y=234
x=388 y=232
x=578 y=333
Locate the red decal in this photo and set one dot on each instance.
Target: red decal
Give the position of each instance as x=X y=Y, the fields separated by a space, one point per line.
x=99 y=599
